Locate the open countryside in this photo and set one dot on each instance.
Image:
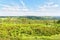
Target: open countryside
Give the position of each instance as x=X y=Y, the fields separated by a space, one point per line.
x=29 y=27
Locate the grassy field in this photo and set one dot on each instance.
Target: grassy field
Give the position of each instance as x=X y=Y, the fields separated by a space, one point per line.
x=29 y=29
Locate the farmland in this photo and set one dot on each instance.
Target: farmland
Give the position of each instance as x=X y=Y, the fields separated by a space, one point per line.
x=29 y=28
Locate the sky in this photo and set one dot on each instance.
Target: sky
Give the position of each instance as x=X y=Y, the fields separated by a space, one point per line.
x=29 y=7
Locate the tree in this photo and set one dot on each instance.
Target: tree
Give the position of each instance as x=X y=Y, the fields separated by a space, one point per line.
x=58 y=21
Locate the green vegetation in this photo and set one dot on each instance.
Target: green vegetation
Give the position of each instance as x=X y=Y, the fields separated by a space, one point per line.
x=29 y=28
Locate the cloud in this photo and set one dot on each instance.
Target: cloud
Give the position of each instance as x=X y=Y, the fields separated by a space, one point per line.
x=48 y=9
x=50 y=5
x=14 y=10
x=22 y=3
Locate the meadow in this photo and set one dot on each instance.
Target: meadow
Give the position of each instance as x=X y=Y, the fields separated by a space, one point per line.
x=29 y=28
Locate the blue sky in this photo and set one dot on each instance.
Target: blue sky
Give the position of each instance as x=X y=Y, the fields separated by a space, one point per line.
x=29 y=7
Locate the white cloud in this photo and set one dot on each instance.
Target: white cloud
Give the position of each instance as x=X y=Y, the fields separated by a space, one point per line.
x=50 y=5
x=49 y=9
x=22 y=3
x=14 y=10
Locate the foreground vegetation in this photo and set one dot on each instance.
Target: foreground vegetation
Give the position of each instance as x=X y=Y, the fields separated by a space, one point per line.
x=23 y=28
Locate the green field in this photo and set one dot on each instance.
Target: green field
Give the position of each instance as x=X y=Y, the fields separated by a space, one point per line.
x=29 y=28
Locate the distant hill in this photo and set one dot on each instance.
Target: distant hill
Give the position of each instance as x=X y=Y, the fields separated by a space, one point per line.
x=34 y=17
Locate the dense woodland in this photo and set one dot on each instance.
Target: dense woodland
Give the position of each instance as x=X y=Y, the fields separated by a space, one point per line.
x=29 y=27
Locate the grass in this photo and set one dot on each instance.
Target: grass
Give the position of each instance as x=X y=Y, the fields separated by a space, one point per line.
x=10 y=30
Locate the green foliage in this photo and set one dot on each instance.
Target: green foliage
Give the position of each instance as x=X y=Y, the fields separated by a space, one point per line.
x=12 y=28
x=58 y=21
